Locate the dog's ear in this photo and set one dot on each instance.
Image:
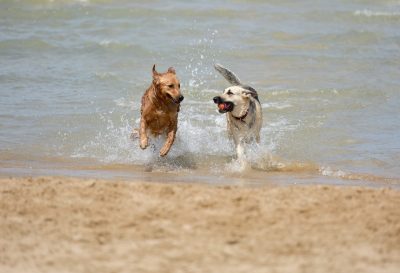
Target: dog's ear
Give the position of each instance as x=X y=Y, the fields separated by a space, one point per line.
x=171 y=70
x=248 y=94
x=156 y=76
x=155 y=73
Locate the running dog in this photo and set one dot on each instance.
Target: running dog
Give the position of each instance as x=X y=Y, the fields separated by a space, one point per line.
x=243 y=111
x=159 y=110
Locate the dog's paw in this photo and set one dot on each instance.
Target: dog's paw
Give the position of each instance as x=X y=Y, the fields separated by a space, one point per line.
x=144 y=143
x=164 y=151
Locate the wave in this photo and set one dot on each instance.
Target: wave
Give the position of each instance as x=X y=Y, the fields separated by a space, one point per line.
x=276 y=105
x=272 y=164
x=25 y=44
x=328 y=171
x=369 y=13
x=38 y=44
x=54 y=1
x=115 y=46
x=106 y=43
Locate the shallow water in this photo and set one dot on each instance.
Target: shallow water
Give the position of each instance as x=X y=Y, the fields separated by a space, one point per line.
x=72 y=74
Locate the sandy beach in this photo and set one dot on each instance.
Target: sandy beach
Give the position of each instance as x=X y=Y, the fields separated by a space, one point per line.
x=319 y=192
x=56 y=224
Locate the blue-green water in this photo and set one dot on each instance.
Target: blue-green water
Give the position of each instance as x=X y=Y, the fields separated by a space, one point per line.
x=72 y=74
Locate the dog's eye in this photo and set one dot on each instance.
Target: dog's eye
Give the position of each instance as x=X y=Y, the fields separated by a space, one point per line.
x=229 y=92
x=171 y=86
x=179 y=85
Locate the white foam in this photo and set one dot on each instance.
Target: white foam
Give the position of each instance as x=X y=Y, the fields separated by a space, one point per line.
x=328 y=171
x=105 y=75
x=276 y=105
x=110 y=43
x=122 y=102
x=369 y=13
x=106 y=43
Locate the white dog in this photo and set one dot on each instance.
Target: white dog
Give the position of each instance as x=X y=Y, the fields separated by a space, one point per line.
x=243 y=111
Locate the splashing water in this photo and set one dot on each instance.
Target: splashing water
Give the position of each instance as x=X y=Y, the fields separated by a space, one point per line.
x=327 y=78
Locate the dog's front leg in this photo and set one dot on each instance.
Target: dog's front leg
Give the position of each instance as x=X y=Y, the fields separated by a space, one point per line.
x=168 y=143
x=241 y=157
x=240 y=151
x=144 y=140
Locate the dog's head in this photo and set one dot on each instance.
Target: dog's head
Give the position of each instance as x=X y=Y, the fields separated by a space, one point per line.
x=235 y=99
x=167 y=85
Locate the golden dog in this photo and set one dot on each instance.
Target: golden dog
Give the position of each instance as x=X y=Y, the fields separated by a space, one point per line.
x=159 y=110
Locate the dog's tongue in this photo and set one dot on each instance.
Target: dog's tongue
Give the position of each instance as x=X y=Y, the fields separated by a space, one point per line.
x=221 y=106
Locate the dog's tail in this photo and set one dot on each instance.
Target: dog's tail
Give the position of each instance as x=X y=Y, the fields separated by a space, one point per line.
x=227 y=74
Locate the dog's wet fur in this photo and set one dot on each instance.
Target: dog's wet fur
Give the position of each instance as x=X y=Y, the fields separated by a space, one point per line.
x=159 y=110
x=243 y=111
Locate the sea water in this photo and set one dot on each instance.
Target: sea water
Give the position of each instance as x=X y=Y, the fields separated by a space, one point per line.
x=72 y=74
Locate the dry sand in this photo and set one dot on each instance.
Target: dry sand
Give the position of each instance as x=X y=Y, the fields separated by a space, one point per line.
x=83 y=225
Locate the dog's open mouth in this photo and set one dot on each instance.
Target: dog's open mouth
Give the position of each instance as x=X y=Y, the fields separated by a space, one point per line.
x=224 y=107
x=172 y=98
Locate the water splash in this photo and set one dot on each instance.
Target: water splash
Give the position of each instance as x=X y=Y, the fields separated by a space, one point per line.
x=202 y=57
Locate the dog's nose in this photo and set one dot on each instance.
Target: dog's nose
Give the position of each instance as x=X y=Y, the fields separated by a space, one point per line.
x=181 y=98
x=217 y=99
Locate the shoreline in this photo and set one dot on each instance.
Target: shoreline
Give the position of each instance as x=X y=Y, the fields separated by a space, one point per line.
x=251 y=177
x=65 y=224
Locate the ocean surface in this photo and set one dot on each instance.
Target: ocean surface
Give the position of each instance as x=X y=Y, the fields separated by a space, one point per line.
x=72 y=74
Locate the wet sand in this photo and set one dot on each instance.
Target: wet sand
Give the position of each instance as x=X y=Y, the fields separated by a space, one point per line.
x=85 y=225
